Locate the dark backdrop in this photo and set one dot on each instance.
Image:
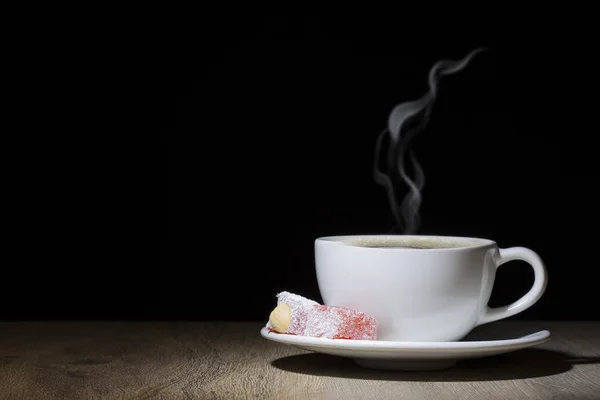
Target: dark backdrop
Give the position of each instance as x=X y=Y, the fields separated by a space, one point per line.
x=274 y=142
x=271 y=145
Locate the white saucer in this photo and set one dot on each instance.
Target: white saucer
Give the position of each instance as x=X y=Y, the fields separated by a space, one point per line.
x=414 y=356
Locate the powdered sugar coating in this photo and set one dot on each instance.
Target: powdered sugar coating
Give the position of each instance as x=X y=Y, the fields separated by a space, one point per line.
x=309 y=318
x=340 y=323
x=300 y=307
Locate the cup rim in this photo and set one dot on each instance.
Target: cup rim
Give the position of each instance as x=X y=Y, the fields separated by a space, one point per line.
x=465 y=242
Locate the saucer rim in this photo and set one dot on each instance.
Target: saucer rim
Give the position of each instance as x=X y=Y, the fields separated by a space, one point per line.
x=532 y=339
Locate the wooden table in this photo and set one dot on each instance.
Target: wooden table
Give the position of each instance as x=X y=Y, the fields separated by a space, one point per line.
x=191 y=360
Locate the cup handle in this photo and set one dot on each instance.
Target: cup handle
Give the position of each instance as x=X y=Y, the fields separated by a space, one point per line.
x=531 y=297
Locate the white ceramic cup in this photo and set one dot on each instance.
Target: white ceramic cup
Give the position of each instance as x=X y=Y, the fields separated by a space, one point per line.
x=423 y=293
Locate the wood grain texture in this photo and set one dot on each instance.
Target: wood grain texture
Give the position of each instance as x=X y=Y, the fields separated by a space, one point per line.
x=190 y=360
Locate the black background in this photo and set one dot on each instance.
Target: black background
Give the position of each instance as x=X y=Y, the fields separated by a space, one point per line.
x=270 y=144
x=274 y=141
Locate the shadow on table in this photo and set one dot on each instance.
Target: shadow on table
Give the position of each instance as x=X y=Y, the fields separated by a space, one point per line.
x=529 y=363
x=526 y=363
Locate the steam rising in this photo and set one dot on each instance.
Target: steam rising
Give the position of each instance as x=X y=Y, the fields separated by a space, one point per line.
x=406 y=213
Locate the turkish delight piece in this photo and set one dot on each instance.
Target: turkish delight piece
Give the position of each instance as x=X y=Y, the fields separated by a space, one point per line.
x=298 y=315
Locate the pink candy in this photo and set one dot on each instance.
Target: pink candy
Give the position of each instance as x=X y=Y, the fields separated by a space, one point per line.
x=309 y=318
